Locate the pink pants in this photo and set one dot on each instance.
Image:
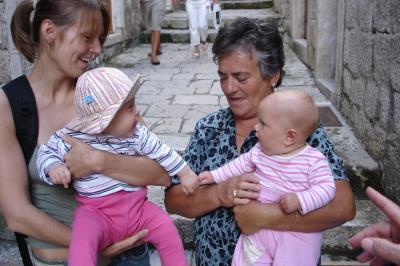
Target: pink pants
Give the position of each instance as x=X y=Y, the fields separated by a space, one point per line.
x=277 y=248
x=99 y=222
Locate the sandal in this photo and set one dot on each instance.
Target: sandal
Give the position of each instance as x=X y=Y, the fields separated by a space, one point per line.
x=157 y=53
x=196 y=52
x=204 y=46
x=155 y=62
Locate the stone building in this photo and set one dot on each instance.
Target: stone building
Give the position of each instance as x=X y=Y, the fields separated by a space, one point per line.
x=353 y=49
x=125 y=31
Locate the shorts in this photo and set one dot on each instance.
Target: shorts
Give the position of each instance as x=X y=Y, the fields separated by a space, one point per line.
x=153 y=16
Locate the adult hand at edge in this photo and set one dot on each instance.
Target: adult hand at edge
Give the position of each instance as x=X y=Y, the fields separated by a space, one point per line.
x=380 y=241
x=126 y=244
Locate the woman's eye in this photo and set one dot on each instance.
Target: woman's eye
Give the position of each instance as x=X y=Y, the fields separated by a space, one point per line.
x=242 y=79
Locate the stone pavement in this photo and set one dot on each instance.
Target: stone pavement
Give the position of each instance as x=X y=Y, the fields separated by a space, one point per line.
x=175 y=94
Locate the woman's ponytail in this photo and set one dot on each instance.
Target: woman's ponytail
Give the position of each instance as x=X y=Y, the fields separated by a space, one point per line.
x=21 y=29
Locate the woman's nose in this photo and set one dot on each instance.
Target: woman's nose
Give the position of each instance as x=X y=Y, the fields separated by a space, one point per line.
x=229 y=85
x=96 y=47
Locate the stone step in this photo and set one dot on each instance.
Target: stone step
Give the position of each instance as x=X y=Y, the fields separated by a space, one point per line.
x=243 y=4
x=175 y=25
x=238 y=4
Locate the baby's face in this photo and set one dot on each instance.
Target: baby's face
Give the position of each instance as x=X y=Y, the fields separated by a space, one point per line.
x=270 y=130
x=124 y=122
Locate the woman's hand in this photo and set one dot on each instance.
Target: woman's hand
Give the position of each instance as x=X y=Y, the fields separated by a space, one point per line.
x=380 y=241
x=256 y=215
x=238 y=190
x=126 y=244
x=81 y=160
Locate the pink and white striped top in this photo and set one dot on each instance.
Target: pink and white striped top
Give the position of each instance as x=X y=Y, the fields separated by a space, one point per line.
x=305 y=173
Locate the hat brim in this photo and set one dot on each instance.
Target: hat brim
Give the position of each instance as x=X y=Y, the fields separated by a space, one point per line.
x=98 y=122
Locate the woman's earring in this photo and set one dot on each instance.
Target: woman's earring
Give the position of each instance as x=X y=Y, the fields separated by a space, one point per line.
x=51 y=44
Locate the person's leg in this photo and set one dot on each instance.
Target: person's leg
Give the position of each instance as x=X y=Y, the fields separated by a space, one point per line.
x=298 y=249
x=203 y=26
x=163 y=235
x=192 y=12
x=157 y=17
x=155 y=44
x=254 y=249
x=90 y=233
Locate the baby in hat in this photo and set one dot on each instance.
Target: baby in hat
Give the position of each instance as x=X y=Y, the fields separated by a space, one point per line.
x=290 y=172
x=110 y=210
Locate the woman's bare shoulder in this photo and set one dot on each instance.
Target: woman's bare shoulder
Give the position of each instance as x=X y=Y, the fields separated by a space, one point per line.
x=7 y=122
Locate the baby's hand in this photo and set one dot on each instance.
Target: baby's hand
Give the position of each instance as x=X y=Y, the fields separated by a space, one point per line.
x=289 y=203
x=189 y=180
x=206 y=178
x=60 y=174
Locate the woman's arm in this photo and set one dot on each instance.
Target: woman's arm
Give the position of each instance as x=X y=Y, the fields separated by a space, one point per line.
x=256 y=215
x=21 y=216
x=83 y=160
x=208 y=198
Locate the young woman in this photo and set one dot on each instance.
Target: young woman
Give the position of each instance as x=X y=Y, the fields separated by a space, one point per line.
x=61 y=38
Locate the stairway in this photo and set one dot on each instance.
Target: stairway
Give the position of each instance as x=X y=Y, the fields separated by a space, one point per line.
x=175 y=25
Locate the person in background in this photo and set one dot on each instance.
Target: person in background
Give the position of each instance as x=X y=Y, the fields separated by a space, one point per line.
x=250 y=60
x=380 y=241
x=61 y=39
x=197 y=12
x=291 y=173
x=153 y=16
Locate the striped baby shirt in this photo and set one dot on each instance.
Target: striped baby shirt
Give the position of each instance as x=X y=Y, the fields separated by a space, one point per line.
x=142 y=142
x=305 y=173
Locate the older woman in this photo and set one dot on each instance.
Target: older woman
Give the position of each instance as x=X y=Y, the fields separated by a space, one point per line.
x=250 y=60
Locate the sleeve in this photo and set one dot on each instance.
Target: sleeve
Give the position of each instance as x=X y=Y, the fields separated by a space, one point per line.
x=322 y=187
x=319 y=140
x=194 y=152
x=150 y=145
x=49 y=155
x=239 y=166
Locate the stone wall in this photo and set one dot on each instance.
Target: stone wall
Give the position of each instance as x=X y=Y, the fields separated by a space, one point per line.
x=126 y=33
x=364 y=81
x=4 y=62
x=369 y=95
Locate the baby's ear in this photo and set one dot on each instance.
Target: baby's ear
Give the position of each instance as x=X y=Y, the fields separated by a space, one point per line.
x=290 y=137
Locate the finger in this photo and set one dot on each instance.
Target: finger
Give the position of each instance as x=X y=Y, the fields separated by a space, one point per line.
x=240 y=201
x=382 y=248
x=391 y=209
x=249 y=178
x=68 y=139
x=381 y=229
x=247 y=194
x=364 y=257
x=249 y=186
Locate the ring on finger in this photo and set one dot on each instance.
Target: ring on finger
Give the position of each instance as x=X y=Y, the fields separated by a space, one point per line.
x=235 y=193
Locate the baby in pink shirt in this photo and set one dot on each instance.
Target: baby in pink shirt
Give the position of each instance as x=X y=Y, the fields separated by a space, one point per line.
x=290 y=172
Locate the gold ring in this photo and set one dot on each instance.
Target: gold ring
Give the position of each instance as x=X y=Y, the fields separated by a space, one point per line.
x=235 y=193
